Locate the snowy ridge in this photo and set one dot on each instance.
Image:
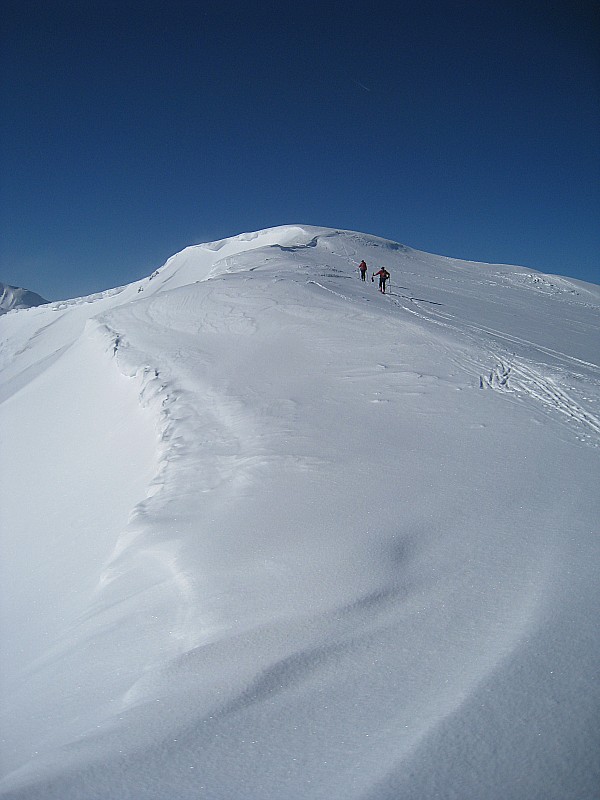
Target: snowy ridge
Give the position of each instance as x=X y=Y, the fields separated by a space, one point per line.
x=276 y=535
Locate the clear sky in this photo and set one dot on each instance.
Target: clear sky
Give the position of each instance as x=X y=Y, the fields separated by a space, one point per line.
x=130 y=130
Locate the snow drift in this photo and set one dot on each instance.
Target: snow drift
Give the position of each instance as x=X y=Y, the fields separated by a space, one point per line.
x=267 y=533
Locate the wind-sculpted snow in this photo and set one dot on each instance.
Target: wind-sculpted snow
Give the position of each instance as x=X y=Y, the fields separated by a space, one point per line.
x=270 y=534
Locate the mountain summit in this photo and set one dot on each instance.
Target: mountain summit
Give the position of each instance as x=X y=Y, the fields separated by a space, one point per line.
x=270 y=533
x=12 y=297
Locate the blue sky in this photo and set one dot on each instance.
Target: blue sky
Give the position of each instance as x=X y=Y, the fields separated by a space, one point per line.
x=131 y=130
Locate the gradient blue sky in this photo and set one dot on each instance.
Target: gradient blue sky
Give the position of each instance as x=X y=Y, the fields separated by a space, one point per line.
x=131 y=130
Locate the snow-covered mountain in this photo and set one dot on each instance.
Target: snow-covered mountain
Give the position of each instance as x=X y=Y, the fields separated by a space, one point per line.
x=270 y=534
x=13 y=297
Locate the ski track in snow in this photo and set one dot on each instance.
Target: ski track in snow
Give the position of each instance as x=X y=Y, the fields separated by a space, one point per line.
x=514 y=373
x=281 y=634
x=525 y=378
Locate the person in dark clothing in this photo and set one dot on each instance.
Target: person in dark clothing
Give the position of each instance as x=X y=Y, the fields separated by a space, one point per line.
x=384 y=276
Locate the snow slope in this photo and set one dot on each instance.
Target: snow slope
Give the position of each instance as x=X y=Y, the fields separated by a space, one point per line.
x=267 y=533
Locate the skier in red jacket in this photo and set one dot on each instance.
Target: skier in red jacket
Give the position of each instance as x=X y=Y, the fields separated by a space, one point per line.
x=362 y=268
x=384 y=276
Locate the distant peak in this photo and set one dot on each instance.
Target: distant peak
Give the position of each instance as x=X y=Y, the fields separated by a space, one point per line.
x=13 y=297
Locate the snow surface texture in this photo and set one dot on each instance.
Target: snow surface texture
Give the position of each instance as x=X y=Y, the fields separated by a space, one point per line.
x=269 y=534
x=13 y=298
